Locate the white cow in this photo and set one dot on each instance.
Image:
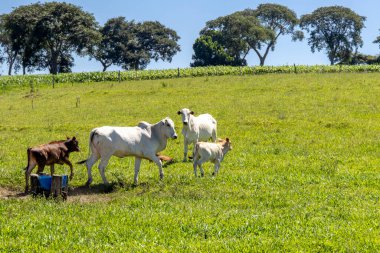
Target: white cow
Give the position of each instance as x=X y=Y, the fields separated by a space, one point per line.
x=143 y=142
x=200 y=128
x=213 y=152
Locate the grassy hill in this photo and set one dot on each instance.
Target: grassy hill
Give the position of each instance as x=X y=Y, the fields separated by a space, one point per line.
x=303 y=175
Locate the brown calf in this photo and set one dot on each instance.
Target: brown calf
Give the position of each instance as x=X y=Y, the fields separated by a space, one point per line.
x=50 y=154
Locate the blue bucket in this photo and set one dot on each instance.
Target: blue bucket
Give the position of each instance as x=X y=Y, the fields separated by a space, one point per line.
x=45 y=181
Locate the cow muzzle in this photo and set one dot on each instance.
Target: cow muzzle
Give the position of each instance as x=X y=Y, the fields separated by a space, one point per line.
x=175 y=136
x=185 y=123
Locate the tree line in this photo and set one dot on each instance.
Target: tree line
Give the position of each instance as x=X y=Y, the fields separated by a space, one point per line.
x=227 y=40
x=45 y=36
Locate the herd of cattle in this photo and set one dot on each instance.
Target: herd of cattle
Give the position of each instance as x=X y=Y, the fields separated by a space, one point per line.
x=143 y=141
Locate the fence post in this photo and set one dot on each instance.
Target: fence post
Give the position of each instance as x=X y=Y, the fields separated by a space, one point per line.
x=178 y=74
x=295 y=68
x=53 y=80
x=78 y=102
x=118 y=76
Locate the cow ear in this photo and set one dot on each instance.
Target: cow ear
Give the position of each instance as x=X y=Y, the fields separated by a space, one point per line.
x=192 y=113
x=74 y=138
x=179 y=112
x=227 y=139
x=67 y=138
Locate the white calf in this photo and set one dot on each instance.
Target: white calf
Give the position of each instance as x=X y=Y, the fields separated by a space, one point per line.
x=213 y=152
x=200 y=128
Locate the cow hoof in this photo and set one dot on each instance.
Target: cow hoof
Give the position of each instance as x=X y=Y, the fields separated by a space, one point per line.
x=71 y=177
x=161 y=177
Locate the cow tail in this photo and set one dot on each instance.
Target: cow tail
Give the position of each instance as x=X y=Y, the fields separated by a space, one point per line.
x=28 y=154
x=92 y=134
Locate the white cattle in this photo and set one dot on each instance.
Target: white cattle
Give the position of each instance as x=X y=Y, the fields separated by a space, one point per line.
x=143 y=142
x=213 y=152
x=200 y=128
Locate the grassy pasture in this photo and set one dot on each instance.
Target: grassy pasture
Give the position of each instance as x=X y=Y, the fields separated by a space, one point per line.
x=303 y=175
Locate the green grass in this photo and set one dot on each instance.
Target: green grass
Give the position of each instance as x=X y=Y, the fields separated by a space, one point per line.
x=303 y=175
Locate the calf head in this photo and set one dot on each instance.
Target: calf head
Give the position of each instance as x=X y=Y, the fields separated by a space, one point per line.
x=185 y=113
x=72 y=144
x=168 y=129
x=226 y=145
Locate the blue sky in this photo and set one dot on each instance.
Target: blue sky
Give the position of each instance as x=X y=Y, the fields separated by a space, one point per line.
x=189 y=17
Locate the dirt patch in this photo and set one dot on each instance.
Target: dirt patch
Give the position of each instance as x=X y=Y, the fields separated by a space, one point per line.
x=6 y=193
x=97 y=193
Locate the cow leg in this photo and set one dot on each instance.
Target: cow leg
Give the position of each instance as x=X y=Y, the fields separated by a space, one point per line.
x=137 y=169
x=66 y=161
x=157 y=161
x=202 y=171
x=89 y=163
x=216 y=170
x=200 y=162
x=213 y=135
x=52 y=169
x=186 y=148
x=193 y=154
x=195 y=164
x=102 y=166
x=28 y=170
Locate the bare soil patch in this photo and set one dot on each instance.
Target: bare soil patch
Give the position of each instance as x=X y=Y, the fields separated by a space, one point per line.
x=81 y=194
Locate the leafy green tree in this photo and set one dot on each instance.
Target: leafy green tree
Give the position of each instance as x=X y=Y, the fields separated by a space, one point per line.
x=208 y=51
x=63 y=29
x=256 y=30
x=335 y=29
x=6 y=43
x=156 y=41
x=19 y=25
x=133 y=45
x=115 y=34
x=377 y=40
x=278 y=20
x=231 y=33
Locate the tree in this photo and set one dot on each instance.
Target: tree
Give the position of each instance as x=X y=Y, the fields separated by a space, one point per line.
x=63 y=29
x=230 y=34
x=158 y=41
x=7 y=44
x=132 y=45
x=278 y=20
x=257 y=29
x=19 y=25
x=114 y=34
x=208 y=51
x=336 y=29
x=377 y=40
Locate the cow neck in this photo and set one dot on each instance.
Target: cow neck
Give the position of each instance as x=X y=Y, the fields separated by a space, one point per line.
x=162 y=140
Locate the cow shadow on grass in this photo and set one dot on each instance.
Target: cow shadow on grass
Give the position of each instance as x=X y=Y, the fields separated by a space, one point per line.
x=92 y=189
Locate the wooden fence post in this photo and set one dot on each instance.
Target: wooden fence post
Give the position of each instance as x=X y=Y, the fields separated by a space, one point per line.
x=295 y=68
x=78 y=102
x=178 y=74
x=118 y=76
